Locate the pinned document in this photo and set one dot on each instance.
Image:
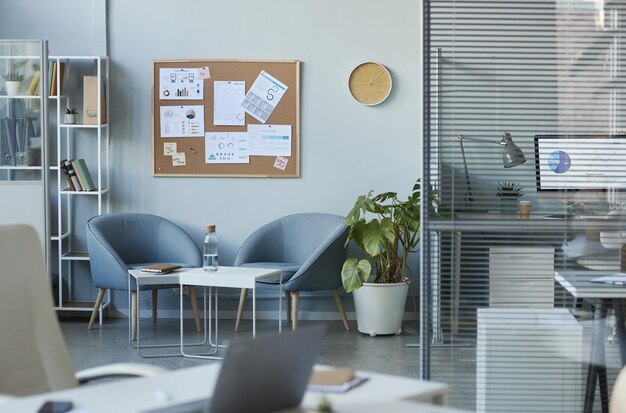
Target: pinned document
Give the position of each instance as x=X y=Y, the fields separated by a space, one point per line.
x=169 y=148
x=227 y=98
x=179 y=159
x=180 y=84
x=226 y=147
x=263 y=97
x=182 y=121
x=269 y=140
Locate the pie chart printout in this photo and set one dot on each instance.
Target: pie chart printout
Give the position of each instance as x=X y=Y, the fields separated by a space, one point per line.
x=559 y=162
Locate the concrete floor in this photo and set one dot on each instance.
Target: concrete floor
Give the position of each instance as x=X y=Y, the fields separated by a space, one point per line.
x=108 y=343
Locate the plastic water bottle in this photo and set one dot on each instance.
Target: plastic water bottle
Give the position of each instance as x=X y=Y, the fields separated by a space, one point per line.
x=209 y=256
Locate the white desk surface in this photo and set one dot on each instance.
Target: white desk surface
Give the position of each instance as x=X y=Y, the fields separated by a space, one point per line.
x=137 y=394
x=578 y=283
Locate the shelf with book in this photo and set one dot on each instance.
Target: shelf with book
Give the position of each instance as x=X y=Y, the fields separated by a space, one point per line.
x=81 y=168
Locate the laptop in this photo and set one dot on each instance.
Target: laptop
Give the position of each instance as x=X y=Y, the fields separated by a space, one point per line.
x=262 y=375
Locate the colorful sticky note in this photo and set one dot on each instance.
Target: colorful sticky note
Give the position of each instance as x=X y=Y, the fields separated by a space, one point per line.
x=281 y=163
x=204 y=72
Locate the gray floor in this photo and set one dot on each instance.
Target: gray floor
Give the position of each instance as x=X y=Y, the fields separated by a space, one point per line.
x=108 y=343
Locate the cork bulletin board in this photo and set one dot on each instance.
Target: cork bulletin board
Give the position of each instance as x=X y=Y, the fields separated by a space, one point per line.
x=189 y=128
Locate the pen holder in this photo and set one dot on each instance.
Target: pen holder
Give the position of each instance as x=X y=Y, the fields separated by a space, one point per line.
x=508 y=206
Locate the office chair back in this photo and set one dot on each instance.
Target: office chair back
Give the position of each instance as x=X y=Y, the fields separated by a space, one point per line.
x=33 y=356
x=618 y=397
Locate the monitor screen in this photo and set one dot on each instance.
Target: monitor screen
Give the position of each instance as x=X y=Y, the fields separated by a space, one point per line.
x=580 y=162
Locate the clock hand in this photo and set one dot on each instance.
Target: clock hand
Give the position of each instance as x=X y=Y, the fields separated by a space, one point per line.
x=379 y=75
x=373 y=74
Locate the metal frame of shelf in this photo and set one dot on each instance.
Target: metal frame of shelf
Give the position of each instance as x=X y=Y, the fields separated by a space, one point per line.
x=67 y=256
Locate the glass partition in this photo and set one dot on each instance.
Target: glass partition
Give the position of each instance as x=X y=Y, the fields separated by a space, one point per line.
x=524 y=143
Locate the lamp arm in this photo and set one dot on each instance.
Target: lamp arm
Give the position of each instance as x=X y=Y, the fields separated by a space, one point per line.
x=461 y=138
x=468 y=195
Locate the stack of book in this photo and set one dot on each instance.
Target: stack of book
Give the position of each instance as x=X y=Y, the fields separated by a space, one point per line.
x=77 y=175
x=34 y=87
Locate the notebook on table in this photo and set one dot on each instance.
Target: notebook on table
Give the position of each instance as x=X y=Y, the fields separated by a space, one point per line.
x=161 y=268
x=263 y=375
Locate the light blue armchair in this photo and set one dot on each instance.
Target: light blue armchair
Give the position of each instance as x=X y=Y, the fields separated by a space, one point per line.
x=308 y=247
x=119 y=242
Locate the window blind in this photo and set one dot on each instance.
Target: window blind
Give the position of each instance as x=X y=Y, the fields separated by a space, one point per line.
x=524 y=102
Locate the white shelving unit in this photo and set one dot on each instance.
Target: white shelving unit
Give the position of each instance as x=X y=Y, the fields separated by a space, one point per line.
x=68 y=137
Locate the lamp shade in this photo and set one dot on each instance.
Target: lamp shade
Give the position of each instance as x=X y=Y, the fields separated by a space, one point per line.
x=512 y=155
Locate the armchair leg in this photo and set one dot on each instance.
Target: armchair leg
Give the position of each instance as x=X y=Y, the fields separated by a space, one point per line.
x=133 y=315
x=194 y=307
x=341 y=310
x=294 y=319
x=96 y=307
x=288 y=305
x=155 y=298
x=242 y=301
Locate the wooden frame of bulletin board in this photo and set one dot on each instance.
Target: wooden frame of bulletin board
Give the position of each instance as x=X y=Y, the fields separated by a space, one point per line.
x=189 y=157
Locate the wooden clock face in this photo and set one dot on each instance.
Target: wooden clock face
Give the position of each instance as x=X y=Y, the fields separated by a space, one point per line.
x=370 y=83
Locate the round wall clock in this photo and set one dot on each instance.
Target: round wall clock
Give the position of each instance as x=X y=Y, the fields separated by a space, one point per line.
x=370 y=83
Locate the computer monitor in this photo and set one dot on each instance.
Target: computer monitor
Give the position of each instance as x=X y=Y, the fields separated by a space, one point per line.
x=580 y=162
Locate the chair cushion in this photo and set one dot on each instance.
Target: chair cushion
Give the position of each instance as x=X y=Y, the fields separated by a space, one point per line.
x=288 y=268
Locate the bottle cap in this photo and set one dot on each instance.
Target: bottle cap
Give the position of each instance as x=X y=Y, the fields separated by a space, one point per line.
x=210 y=228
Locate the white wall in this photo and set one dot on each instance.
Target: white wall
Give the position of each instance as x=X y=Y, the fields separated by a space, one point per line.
x=346 y=148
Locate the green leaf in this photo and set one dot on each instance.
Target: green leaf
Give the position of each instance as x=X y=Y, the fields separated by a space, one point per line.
x=376 y=235
x=354 y=273
x=356 y=233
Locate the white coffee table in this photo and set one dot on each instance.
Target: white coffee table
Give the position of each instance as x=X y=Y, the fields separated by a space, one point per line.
x=147 y=279
x=228 y=277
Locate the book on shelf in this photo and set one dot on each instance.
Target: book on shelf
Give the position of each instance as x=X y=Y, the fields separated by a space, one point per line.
x=34 y=83
x=60 y=68
x=84 y=177
x=161 y=268
x=66 y=173
x=334 y=380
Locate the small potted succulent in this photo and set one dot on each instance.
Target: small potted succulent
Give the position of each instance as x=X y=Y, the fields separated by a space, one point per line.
x=509 y=193
x=70 y=116
x=13 y=81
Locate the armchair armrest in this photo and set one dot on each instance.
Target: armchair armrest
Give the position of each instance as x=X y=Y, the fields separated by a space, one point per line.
x=326 y=261
x=117 y=370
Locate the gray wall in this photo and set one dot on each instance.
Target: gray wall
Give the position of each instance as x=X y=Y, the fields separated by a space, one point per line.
x=346 y=148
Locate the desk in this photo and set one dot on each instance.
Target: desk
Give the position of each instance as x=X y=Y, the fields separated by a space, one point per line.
x=579 y=284
x=440 y=253
x=229 y=277
x=135 y=395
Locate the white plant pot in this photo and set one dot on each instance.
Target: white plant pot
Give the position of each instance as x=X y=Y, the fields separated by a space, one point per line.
x=69 y=119
x=13 y=87
x=380 y=307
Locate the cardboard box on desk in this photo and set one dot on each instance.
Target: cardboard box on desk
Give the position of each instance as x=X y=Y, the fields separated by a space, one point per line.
x=90 y=101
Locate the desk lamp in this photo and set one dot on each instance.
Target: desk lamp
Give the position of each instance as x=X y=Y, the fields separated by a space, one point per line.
x=512 y=156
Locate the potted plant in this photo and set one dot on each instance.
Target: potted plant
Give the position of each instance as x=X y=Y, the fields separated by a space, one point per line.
x=70 y=116
x=13 y=80
x=509 y=193
x=386 y=229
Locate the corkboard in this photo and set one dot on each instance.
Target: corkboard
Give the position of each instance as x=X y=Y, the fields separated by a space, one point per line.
x=287 y=112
